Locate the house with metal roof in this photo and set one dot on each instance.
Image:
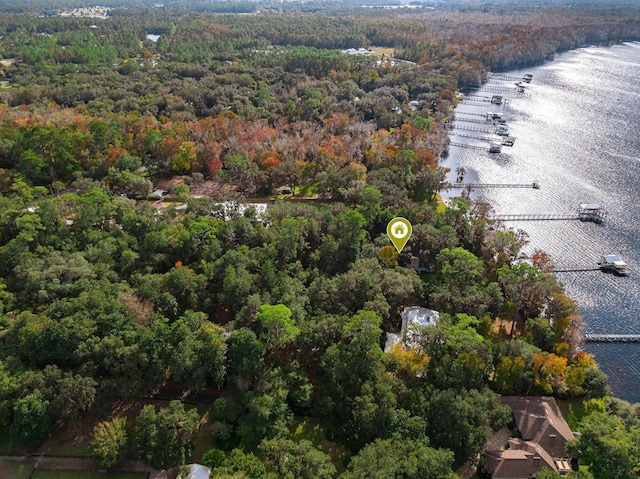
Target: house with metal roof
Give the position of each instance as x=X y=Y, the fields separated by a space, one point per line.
x=412 y=317
x=198 y=471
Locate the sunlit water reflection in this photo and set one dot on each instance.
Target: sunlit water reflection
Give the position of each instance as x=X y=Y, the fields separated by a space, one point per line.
x=577 y=134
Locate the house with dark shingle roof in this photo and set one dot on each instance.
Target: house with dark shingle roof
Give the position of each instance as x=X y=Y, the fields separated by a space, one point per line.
x=522 y=459
x=542 y=443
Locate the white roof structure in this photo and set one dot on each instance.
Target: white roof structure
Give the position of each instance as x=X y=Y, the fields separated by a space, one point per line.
x=590 y=206
x=228 y=208
x=198 y=471
x=392 y=340
x=353 y=51
x=416 y=315
x=412 y=317
x=613 y=261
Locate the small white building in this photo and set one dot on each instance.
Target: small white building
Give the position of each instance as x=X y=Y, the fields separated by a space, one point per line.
x=412 y=317
x=358 y=51
x=198 y=471
x=227 y=209
x=613 y=262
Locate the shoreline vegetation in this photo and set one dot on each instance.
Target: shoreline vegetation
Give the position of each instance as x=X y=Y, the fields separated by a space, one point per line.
x=150 y=311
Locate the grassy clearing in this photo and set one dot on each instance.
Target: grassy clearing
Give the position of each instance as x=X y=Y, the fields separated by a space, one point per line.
x=205 y=440
x=312 y=430
x=74 y=440
x=44 y=474
x=573 y=411
x=310 y=189
x=77 y=447
x=383 y=51
x=6 y=448
x=15 y=470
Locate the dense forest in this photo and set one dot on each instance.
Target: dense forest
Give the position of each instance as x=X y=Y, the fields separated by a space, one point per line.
x=117 y=296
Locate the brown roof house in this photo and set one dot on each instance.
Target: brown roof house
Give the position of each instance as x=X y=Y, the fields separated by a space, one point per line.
x=542 y=443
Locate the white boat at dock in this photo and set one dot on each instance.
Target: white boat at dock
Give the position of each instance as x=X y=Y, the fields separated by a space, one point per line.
x=612 y=262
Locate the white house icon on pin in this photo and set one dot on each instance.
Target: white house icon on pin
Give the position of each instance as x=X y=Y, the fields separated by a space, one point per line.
x=399 y=232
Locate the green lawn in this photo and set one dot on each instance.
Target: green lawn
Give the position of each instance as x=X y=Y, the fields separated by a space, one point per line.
x=70 y=441
x=573 y=411
x=312 y=430
x=310 y=189
x=44 y=474
x=205 y=440
x=15 y=470
x=75 y=449
x=6 y=448
x=388 y=51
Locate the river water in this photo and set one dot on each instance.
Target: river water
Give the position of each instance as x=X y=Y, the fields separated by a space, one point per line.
x=577 y=130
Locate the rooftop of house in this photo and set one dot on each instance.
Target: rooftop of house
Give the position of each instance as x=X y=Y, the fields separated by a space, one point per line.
x=412 y=317
x=418 y=316
x=198 y=471
x=522 y=460
x=544 y=435
x=539 y=419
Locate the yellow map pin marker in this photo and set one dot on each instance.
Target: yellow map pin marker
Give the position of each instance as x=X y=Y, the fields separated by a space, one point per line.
x=399 y=231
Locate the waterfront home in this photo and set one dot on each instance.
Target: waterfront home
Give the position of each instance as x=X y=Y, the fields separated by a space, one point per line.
x=540 y=439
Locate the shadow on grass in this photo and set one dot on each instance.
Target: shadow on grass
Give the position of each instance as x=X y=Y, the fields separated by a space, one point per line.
x=313 y=430
x=573 y=411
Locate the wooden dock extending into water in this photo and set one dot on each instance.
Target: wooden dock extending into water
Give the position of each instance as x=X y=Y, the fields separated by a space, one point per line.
x=534 y=217
x=487 y=129
x=504 y=77
x=533 y=185
x=472 y=102
x=611 y=338
x=575 y=269
x=467 y=145
x=547 y=217
x=503 y=90
x=473 y=137
x=475 y=120
x=484 y=115
x=481 y=98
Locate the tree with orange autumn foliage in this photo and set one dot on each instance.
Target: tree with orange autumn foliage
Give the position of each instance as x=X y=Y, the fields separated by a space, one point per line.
x=548 y=372
x=224 y=96
x=213 y=166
